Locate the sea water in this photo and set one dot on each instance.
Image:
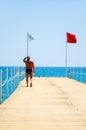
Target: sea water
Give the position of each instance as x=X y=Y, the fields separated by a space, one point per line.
x=50 y=71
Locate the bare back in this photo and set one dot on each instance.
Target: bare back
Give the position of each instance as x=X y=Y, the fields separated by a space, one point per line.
x=29 y=65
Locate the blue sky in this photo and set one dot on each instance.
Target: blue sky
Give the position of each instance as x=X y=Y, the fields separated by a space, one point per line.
x=47 y=21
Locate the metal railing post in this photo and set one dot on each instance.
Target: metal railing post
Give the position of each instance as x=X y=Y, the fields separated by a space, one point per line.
x=0 y=87
x=77 y=73
x=18 y=75
x=14 y=78
x=7 y=82
x=81 y=74
x=73 y=73
x=11 y=80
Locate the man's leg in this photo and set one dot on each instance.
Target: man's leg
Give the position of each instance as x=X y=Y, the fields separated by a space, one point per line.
x=31 y=80
x=27 y=79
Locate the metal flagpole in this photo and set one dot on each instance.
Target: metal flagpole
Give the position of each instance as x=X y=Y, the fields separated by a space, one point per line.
x=66 y=59
x=27 y=43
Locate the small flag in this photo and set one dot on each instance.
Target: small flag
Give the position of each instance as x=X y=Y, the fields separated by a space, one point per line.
x=30 y=37
x=71 y=38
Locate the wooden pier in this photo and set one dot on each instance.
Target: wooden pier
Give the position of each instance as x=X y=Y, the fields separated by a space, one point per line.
x=51 y=104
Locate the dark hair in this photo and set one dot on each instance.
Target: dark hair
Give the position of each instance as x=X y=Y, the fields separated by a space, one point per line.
x=28 y=57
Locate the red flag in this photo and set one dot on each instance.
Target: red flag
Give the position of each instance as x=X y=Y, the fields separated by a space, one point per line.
x=71 y=38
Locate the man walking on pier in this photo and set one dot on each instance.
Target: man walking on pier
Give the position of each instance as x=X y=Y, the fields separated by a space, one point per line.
x=29 y=69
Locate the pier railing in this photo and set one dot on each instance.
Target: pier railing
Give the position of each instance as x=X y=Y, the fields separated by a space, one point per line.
x=12 y=78
x=77 y=73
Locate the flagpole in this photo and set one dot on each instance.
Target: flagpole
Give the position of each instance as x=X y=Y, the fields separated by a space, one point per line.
x=71 y=38
x=66 y=59
x=27 y=43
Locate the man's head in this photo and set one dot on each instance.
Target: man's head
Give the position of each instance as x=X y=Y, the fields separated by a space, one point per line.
x=28 y=57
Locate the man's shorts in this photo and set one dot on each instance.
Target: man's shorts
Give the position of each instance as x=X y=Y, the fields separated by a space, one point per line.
x=28 y=71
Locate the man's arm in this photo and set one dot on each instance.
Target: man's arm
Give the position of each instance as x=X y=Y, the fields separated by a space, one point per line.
x=24 y=60
x=33 y=67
